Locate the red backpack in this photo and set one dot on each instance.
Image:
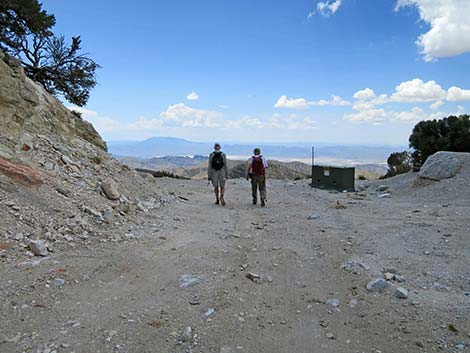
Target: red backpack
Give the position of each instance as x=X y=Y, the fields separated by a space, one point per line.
x=257 y=165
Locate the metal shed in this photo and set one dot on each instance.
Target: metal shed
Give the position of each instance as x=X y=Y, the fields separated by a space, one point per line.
x=337 y=178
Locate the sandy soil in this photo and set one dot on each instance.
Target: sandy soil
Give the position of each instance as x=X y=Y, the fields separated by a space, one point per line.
x=186 y=265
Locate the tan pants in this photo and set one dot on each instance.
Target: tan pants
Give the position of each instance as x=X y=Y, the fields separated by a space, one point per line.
x=258 y=182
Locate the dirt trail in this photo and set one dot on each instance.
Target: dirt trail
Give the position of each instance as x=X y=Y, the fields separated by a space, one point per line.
x=137 y=296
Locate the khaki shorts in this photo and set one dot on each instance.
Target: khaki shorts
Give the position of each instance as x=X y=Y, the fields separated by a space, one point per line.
x=218 y=178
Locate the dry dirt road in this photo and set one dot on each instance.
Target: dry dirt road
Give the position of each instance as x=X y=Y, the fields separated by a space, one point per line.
x=314 y=251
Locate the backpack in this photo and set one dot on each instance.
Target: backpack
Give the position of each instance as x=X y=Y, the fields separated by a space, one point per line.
x=257 y=165
x=217 y=161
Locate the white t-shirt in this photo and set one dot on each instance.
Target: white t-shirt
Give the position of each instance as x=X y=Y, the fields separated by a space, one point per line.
x=265 y=161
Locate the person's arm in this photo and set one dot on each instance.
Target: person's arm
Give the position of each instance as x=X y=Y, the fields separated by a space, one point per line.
x=225 y=166
x=265 y=163
x=209 y=167
x=248 y=170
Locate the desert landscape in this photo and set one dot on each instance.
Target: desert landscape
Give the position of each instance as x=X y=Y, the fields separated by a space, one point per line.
x=98 y=257
x=235 y=176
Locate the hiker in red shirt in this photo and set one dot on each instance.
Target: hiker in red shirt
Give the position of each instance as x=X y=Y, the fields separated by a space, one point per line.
x=257 y=166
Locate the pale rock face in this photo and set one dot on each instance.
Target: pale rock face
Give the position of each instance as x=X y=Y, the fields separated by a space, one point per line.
x=443 y=165
x=26 y=107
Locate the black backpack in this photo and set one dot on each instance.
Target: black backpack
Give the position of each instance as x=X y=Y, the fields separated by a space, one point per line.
x=217 y=161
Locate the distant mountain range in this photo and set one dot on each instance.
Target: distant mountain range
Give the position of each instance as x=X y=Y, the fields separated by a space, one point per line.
x=333 y=154
x=196 y=167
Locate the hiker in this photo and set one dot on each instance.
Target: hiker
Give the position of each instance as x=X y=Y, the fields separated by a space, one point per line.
x=257 y=172
x=217 y=172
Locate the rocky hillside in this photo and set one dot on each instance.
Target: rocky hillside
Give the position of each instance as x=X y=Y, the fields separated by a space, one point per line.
x=58 y=184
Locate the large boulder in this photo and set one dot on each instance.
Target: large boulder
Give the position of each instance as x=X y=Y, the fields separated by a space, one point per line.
x=110 y=189
x=443 y=165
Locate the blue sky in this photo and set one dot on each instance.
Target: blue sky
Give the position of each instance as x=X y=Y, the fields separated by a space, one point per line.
x=339 y=71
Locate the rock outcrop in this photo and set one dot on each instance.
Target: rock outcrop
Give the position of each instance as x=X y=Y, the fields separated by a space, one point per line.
x=443 y=165
x=58 y=184
x=26 y=107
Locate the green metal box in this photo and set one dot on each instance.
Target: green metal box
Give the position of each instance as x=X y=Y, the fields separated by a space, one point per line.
x=336 y=178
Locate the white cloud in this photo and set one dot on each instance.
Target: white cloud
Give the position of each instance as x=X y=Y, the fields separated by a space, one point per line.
x=101 y=123
x=436 y=105
x=416 y=114
x=456 y=94
x=284 y=102
x=181 y=115
x=364 y=94
x=193 y=96
x=371 y=115
x=335 y=101
x=244 y=122
x=418 y=91
x=301 y=103
x=145 y=124
x=413 y=91
x=291 y=122
x=449 y=21
x=328 y=8
x=370 y=104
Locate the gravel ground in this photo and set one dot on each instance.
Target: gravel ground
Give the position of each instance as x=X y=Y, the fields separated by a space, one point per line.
x=188 y=265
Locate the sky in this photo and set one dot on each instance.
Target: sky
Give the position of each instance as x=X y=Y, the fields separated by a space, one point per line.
x=331 y=71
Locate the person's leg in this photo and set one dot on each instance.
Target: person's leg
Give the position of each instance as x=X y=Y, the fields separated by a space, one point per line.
x=254 y=187
x=222 y=191
x=262 y=189
x=216 y=192
x=222 y=187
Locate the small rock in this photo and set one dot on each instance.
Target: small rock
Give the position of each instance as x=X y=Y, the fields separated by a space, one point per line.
x=26 y=142
x=254 y=277
x=377 y=285
x=383 y=196
x=92 y=212
x=110 y=189
x=389 y=276
x=352 y=304
x=330 y=336
x=401 y=293
x=187 y=335
x=189 y=280
x=108 y=216
x=226 y=349
x=38 y=247
x=209 y=312
x=460 y=346
x=382 y=188
x=66 y=160
x=333 y=302
x=58 y=282
x=313 y=217
x=63 y=191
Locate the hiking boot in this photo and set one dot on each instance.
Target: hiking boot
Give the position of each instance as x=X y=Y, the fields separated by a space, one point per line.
x=263 y=203
x=255 y=201
x=217 y=202
x=222 y=201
